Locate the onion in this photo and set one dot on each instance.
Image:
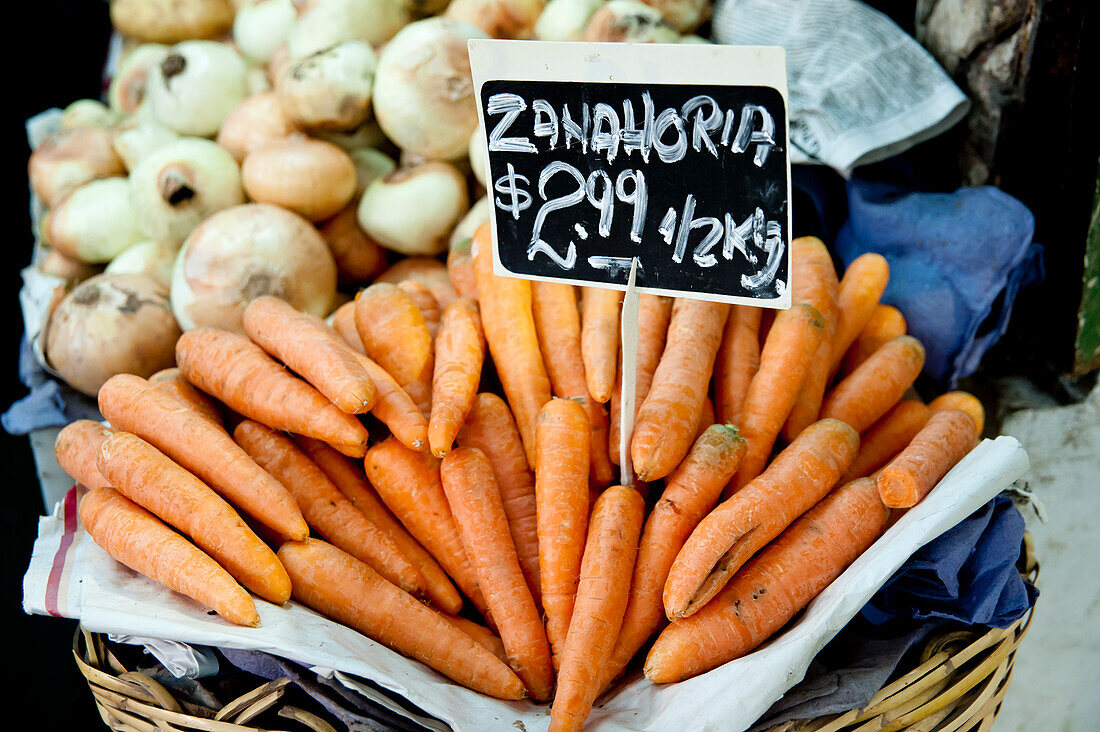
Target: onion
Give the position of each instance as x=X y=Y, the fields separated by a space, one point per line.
x=310 y=177
x=196 y=85
x=259 y=29
x=179 y=185
x=565 y=20
x=692 y=38
x=111 y=324
x=358 y=257
x=244 y=252
x=253 y=123
x=477 y=155
x=368 y=134
x=423 y=90
x=629 y=21
x=145 y=257
x=498 y=18
x=683 y=15
x=126 y=94
x=478 y=214
x=330 y=89
x=94 y=223
x=413 y=210
x=67 y=160
x=87 y=113
x=135 y=139
x=326 y=23
x=370 y=165
x=71 y=270
x=170 y=21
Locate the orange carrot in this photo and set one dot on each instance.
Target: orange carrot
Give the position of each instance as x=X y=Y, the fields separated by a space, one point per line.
x=737 y=361
x=130 y=403
x=325 y=508
x=602 y=594
x=396 y=409
x=410 y=486
x=513 y=342
x=561 y=491
x=306 y=345
x=460 y=269
x=723 y=541
x=343 y=322
x=425 y=302
x=426 y=270
x=814 y=281
x=887 y=437
x=600 y=310
x=876 y=385
x=150 y=479
x=76 y=448
x=668 y=418
x=352 y=483
x=240 y=374
x=861 y=287
x=691 y=493
x=491 y=428
x=484 y=637
x=142 y=542
x=475 y=501
x=964 y=401
x=706 y=419
x=341 y=587
x=393 y=331
x=885 y=324
x=558 y=325
x=654 y=313
x=792 y=341
x=945 y=440
x=774 y=586
x=460 y=353
x=171 y=381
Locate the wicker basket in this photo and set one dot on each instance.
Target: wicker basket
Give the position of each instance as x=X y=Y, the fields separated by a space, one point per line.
x=959 y=685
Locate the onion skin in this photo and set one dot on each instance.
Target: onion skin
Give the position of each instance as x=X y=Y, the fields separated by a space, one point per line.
x=127 y=91
x=94 y=223
x=244 y=252
x=171 y=21
x=413 y=210
x=196 y=86
x=253 y=123
x=629 y=21
x=66 y=161
x=330 y=89
x=498 y=18
x=310 y=177
x=111 y=324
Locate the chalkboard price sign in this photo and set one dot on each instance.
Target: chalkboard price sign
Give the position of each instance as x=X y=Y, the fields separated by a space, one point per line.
x=676 y=156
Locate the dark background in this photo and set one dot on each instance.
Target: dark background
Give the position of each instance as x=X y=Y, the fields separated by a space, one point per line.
x=1046 y=157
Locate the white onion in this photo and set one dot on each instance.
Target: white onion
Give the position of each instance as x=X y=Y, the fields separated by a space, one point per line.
x=413 y=210
x=370 y=165
x=261 y=28
x=135 y=139
x=368 y=134
x=145 y=257
x=196 y=86
x=87 y=113
x=169 y=21
x=126 y=94
x=498 y=18
x=478 y=214
x=255 y=122
x=67 y=160
x=683 y=15
x=328 y=22
x=244 y=252
x=565 y=20
x=95 y=222
x=629 y=21
x=330 y=89
x=478 y=156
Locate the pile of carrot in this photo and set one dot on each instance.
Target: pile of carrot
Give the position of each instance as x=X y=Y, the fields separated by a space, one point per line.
x=435 y=466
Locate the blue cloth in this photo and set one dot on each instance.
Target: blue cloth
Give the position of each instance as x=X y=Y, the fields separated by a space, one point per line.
x=956 y=260
x=967 y=575
x=50 y=403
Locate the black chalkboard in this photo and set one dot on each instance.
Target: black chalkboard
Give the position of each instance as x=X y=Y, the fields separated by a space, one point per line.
x=690 y=179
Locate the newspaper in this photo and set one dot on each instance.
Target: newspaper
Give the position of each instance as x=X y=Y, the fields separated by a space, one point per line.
x=70 y=576
x=861 y=89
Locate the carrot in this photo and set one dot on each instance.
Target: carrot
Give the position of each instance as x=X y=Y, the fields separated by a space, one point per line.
x=792 y=341
x=691 y=493
x=491 y=428
x=460 y=353
x=307 y=346
x=352 y=483
x=885 y=324
x=171 y=381
x=460 y=269
x=484 y=637
x=240 y=374
x=396 y=409
x=602 y=594
x=707 y=418
x=945 y=440
x=343 y=322
x=76 y=448
x=737 y=361
x=774 y=586
x=861 y=288
x=393 y=331
x=561 y=492
x=474 y=498
x=814 y=282
x=668 y=418
x=142 y=542
x=877 y=384
x=964 y=401
x=654 y=313
x=425 y=302
x=130 y=403
x=341 y=587
x=513 y=342
x=426 y=270
x=325 y=508
x=887 y=437
x=723 y=541
x=600 y=310
x=150 y=479
x=558 y=325
x=410 y=486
